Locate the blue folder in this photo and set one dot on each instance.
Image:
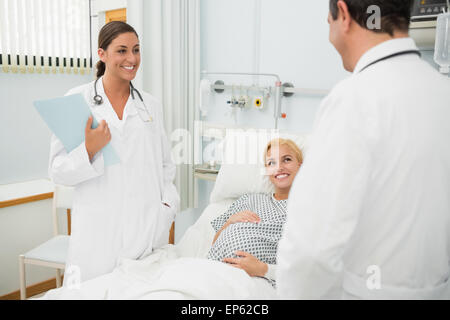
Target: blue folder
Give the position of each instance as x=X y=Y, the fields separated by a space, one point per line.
x=67 y=117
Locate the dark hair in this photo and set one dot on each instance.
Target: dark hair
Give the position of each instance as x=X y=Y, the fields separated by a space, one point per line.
x=107 y=34
x=395 y=14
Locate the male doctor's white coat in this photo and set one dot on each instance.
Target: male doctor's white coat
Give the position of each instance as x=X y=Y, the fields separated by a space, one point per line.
x=369 y=211
x=118 y=210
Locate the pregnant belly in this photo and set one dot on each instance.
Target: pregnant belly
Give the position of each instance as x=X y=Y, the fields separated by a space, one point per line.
x=247 y=237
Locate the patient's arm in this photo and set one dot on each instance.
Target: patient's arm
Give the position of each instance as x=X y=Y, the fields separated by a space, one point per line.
x=250 y=264
x=243 y=216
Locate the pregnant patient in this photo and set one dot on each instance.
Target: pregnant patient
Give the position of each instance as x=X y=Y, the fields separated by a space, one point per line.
x=248 y=233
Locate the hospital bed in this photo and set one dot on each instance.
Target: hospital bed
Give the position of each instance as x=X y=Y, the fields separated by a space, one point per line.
x=182 y=271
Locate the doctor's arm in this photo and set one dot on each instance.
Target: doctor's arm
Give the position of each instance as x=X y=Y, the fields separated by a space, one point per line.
x=170 y=197
x=170 y=200
x=84 y=162
x=324 y=207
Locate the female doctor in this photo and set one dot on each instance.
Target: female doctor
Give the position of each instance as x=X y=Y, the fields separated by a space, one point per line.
x=124 y=210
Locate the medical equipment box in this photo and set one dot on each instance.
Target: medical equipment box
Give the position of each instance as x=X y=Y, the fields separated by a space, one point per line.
x=424 y=10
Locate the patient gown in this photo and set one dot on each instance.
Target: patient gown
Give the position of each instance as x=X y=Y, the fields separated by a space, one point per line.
x=258 y=239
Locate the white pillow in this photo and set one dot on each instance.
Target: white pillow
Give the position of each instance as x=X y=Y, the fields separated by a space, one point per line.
x=242 y=170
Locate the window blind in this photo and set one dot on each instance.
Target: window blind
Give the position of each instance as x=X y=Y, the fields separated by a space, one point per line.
x=45 y=36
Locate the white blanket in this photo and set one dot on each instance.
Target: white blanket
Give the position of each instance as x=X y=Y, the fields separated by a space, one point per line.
x=164 y=275
x=175 y=272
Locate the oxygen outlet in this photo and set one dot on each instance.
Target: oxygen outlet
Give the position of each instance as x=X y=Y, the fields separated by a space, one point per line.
x=258 y=103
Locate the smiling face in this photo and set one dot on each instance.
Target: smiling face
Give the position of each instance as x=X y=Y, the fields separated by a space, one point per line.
x=282 y=165
x=122 y=57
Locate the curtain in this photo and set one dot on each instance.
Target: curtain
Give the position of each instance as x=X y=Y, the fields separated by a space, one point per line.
x=170 y=40
x=45 y=36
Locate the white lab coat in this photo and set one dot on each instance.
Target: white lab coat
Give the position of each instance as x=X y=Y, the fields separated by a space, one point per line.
x=118 y=210
x=371 y=204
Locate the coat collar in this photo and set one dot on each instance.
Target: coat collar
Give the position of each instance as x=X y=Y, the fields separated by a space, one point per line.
x=128 y=110
x=385 y=49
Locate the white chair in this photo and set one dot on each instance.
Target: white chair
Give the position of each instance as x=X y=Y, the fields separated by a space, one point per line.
x=52 y=253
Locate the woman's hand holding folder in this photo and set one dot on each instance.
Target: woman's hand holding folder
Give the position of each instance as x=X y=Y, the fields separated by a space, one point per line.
x=96 y=139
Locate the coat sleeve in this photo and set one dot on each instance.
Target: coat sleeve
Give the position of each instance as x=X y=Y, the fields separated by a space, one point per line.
x=163 y=225
x=169 y=196
x=72 y=168
x=324 y=204
x=169 y=191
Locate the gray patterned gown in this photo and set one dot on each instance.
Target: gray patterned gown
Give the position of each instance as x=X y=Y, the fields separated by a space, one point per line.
x=261 y=239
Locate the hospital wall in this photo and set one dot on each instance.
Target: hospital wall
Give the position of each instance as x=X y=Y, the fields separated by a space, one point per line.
x=266 y=36
x=25 y=142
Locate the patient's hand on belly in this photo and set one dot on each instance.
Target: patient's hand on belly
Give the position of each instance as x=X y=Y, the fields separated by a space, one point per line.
x=243 y=216
x=248 y=263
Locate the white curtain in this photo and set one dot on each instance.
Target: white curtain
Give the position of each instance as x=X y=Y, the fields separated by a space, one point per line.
x=45 y=36
x=170 y=39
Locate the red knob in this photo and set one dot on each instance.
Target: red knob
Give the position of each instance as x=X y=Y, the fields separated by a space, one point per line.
x=284 y=115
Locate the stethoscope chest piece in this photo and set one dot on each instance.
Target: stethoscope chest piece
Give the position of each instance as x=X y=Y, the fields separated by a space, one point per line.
x=98 y=100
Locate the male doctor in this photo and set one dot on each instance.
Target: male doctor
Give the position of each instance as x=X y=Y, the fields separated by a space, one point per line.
x=369 y=212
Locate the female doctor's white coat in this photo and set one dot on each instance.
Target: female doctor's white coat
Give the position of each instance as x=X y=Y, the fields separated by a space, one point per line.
x=118 y=210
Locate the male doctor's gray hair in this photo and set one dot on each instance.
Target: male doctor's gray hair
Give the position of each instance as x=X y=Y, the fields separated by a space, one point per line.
x=395 y=14
x=107 y=34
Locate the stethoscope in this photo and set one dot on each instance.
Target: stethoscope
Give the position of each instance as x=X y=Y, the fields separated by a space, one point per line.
x=401 y=53
x=98 y=100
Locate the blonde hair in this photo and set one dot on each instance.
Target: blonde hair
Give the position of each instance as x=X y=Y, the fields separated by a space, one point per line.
x=284 y=142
